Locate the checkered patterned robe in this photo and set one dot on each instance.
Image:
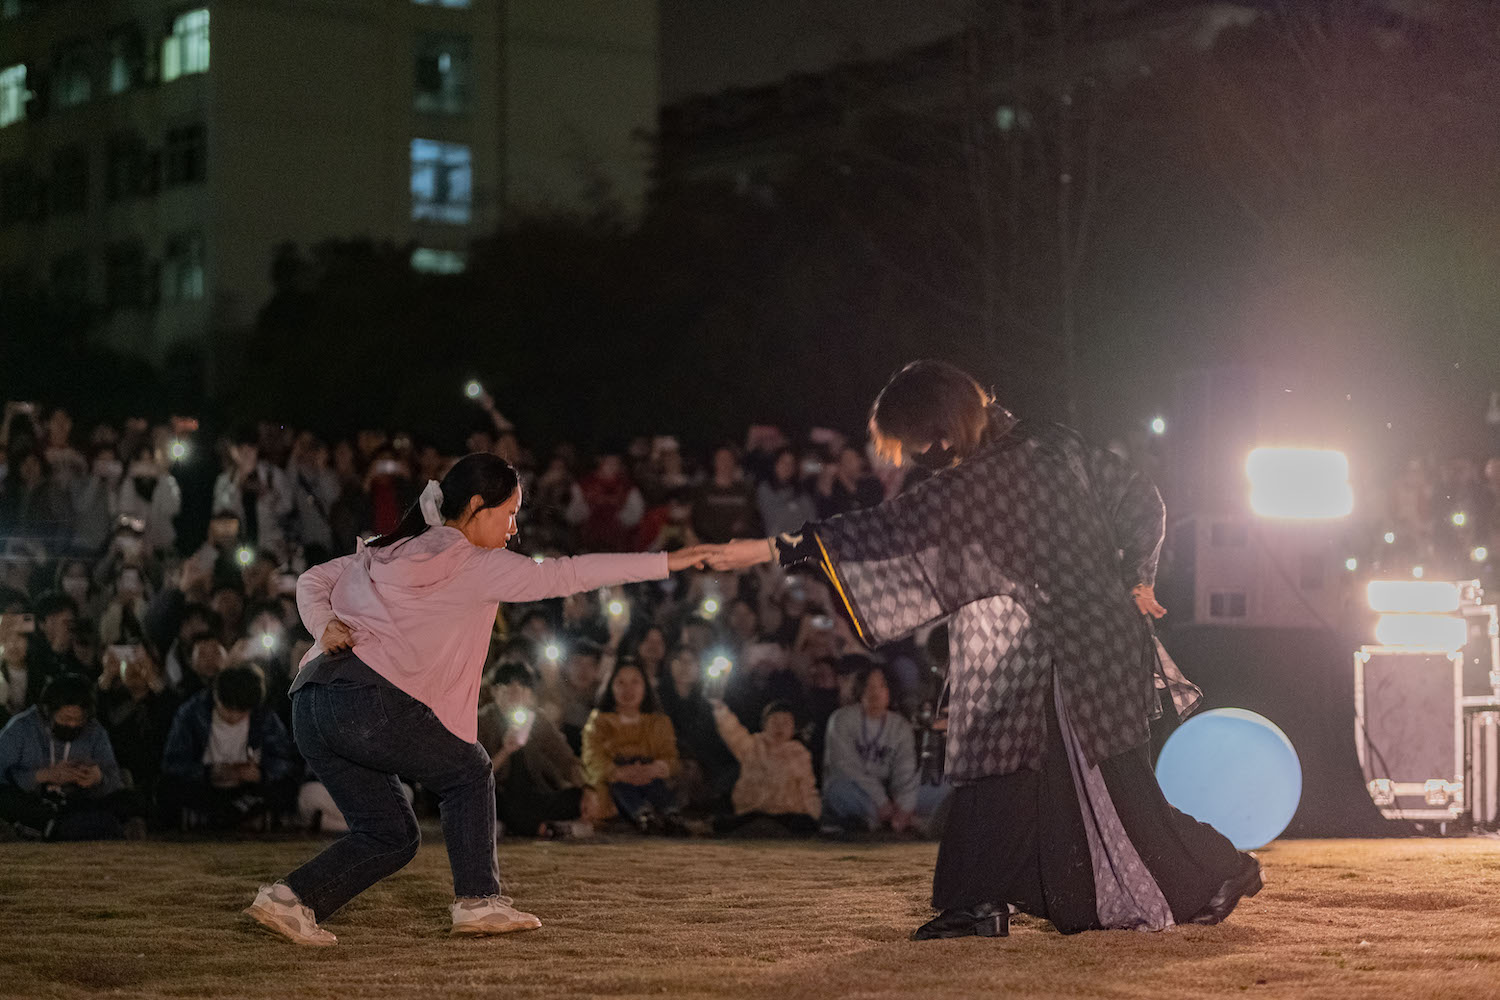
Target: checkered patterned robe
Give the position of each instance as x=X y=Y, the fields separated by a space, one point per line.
x=1031 y=546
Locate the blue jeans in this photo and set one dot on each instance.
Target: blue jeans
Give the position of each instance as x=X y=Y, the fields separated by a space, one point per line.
x=847 y=805
x=356 y=738
x=633 y=799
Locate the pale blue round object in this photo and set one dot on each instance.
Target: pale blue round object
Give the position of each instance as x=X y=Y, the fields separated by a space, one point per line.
x=1235 y=771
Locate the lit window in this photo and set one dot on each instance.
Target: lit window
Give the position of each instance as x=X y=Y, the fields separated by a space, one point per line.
x=186 y=156
x=185 y=50
x=70 y=180
x=441 y=181
x=13 y=94
x=73 y=82
x=430 y=261
x=127 y=59
x=442 y=74
x=182 y=269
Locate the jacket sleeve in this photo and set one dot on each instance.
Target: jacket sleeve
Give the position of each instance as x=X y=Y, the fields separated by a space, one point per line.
x=509 y=577
x=735 y=736
x=315 y=593
x=904 y=776
x=103 y=755
x=598 y=753
x=840 y=760
x=184 y=757
x=1136 y=514
x=276 y=759
x=14 y=769
x=664 y=743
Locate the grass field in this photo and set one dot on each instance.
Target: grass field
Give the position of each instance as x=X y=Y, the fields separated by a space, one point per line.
x=1355 y=919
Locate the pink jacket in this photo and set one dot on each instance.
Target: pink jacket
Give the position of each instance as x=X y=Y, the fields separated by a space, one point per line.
x=422 y=610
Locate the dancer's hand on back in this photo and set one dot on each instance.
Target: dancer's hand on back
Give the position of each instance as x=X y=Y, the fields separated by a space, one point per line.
x=337 y=636
x=1145 y=599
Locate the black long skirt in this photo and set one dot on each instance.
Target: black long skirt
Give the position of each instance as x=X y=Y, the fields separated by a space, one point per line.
x=1020 y=838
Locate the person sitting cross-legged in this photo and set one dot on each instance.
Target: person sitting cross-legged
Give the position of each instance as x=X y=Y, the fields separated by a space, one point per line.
x=870 y=774
x=229 y=759
x=630 y=753
x=776 y=793
x=540 y=787
x=58 y=776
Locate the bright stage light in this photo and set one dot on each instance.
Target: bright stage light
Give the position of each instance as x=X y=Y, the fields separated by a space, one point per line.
x=1428 y=597
x=1441 y=633
x=1158 y=425
x=1299 y=483
x=1235 y=771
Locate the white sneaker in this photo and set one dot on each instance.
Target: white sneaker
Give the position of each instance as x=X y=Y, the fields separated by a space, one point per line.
x=490 y=915
x=277 y=908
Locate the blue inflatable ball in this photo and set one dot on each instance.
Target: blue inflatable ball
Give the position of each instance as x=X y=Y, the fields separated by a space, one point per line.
x=1235 y=771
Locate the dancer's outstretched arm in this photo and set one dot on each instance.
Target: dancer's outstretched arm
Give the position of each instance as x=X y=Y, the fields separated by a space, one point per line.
x=503 y=575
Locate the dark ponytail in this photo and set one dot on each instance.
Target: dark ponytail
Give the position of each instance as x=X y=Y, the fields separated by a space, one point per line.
x=481 y=474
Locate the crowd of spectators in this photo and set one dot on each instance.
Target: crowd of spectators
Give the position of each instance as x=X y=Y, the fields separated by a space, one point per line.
x=144 y=676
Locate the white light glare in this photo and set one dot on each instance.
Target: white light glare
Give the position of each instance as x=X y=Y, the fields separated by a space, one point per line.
x=1460 y=519
x=268 y=640
x=1480 y=554
x=1158 y=425
x=720 y=666
x=552 y=652
x=473 y=390
x=1390 y=538
x=245 y=556
x=178 y=450
x=710 y=607
x=1441 y=633
x=617 y=608
x=538 y=559
x=1428 y=597
x=1417 y=572
x=1299 y=483
x=1351 y=564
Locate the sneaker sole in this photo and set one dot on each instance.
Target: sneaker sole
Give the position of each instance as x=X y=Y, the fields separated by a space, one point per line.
x=270 y=923
x=491 y=930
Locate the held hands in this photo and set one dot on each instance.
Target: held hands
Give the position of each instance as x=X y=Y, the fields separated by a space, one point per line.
x=741 y=553
x=1145 y=600
x=693 y=557
x=337 y=637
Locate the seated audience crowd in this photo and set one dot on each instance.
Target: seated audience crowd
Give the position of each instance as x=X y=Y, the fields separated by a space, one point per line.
x=145 y=657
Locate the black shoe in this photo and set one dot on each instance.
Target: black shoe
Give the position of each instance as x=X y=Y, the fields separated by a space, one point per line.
x=1246 y=882
x=984 y=920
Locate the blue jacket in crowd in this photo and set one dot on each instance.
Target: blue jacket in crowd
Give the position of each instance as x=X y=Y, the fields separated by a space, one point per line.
x=27 y=745
x=188 y=740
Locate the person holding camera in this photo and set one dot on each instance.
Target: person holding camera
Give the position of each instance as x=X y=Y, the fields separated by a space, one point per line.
x=404 y=628
x=58 y=776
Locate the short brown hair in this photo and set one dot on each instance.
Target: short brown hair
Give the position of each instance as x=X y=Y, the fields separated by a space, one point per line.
x=927 y=402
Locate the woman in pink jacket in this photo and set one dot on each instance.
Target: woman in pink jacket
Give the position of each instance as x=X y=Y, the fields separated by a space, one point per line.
x=404 y=626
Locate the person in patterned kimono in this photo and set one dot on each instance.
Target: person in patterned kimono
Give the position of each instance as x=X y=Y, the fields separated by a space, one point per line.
x=1040 y=551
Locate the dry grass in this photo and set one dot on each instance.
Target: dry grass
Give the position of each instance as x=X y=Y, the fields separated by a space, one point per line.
x=1355 y=919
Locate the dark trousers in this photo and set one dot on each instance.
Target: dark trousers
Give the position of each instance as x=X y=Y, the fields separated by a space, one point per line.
x=357 y=738
x=223 y=808
x=523 y=804
x=635 y=800
x=73 y=817
x=1019 y=838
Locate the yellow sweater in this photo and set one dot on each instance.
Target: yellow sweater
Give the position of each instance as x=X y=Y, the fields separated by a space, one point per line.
x=607 y=739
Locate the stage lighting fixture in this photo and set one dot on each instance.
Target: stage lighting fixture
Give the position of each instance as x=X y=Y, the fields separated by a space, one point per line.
x=1299 y=483
x=1428 y=597
x=1438 y=633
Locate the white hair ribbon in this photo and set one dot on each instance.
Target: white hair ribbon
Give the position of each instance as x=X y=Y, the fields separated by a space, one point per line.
x=431 y=502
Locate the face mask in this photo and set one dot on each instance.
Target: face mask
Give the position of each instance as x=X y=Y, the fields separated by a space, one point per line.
x=76 y=587
x=934 y=458
x=66 y=734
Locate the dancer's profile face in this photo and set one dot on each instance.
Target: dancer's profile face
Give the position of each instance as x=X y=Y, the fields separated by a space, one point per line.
x=492 y=527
